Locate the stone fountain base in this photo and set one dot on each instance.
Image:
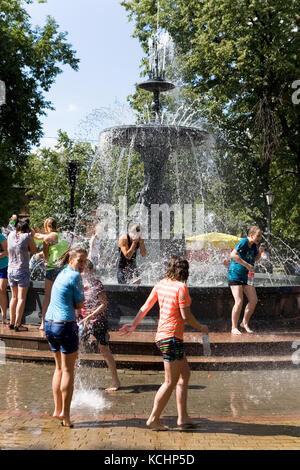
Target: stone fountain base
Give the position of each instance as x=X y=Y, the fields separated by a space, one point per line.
x=277 y=306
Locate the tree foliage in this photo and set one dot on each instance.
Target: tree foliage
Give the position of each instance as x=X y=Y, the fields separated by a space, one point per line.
x=30 y=61
x=240 y=60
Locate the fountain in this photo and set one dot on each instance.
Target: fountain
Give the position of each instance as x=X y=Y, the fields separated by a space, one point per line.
x=154 y=142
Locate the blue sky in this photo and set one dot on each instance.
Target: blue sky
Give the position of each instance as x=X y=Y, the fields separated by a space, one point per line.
x=101 y=34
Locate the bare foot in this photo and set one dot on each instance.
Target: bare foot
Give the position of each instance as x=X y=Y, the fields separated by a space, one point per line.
x=113 y=388
x=235 y=331
x=5 y=322
x=57 y=416
x=187 y=423
x=246 y=327
x=65 y=421
x=156 y=426
x=67 y=424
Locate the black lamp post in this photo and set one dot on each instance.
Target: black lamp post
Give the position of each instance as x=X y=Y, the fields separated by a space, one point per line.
x=72 y=174
x=270 y=196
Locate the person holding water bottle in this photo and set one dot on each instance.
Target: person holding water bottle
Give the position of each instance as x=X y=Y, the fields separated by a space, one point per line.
x=174 y=301
x=241 y=277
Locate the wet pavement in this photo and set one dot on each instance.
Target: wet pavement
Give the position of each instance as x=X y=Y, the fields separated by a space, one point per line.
x=249 y=410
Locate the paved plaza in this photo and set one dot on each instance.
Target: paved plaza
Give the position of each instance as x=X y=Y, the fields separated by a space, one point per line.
x=235 y=410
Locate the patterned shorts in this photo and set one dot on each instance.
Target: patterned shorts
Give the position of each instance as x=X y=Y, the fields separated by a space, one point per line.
x=171 y=348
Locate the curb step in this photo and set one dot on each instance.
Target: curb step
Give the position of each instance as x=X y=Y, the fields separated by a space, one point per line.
x=212 y=363
x=264 y=350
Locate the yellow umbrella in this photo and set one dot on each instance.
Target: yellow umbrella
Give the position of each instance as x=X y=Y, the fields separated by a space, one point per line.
x=212 y=240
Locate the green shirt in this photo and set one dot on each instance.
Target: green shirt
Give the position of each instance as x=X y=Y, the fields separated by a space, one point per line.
x=56 y=251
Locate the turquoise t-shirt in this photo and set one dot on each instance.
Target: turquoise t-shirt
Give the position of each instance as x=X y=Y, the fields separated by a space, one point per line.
x=236 y=271
x=4 y=260
x=67 y=290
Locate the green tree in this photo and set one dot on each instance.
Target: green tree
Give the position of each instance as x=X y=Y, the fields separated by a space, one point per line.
x=240 y=60
x=29 y=64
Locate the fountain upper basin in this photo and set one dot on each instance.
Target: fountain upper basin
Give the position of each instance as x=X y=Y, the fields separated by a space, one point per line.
x=153 y=135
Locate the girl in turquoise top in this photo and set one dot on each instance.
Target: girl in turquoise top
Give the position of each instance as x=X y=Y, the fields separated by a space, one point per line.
x=54 y=246
x=61 y=329
x=3 y=277
x=243 y=257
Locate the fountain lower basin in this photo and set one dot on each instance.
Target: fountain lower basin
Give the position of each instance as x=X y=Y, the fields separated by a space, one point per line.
x=278 y=306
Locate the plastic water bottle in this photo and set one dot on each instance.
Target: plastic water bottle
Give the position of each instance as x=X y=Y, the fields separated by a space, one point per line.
x=81 y=329
x=206 y=345
x=250 y=281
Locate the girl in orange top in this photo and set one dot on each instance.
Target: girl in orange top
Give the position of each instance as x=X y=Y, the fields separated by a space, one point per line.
x=174 y=309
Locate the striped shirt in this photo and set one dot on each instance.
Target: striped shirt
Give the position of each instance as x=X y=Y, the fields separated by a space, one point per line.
x=171 y=295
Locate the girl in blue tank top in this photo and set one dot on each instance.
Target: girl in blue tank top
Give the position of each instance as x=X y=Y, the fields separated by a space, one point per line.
x=243 y=257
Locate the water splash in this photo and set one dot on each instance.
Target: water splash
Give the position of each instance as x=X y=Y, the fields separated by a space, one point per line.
x=89 y=400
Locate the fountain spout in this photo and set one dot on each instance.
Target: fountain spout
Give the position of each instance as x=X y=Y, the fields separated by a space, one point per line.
x=159 y=49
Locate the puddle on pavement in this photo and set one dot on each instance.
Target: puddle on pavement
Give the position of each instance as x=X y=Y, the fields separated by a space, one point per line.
x=27 y=387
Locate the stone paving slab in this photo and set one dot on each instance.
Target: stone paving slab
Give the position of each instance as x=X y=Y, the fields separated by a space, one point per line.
x=253 y=410
x=32 y=431
x=234 y=411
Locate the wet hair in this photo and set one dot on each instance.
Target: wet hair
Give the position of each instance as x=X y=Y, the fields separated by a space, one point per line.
x=178 y=269
x=71 y=254
x=251 y=230
x=50 y=222
x=23 y=226
x=135 y=228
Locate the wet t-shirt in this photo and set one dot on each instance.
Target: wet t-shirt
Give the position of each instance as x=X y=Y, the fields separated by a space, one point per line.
x=4 y=259
x=93 y=289
x=66 y=292
x=236 y=271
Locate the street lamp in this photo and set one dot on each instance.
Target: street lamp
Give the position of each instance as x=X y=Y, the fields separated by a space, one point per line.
x=72 y=174
x=270 y=196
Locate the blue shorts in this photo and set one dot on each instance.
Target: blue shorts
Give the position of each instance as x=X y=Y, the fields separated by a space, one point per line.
x=51 y=274
x=62 y=336
x=3 y=273
x=19 y=280
x=171 y=349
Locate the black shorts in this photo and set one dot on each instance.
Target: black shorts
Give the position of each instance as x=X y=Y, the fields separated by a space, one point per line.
x=99 y=330
x=237 y=283
x=125 y=275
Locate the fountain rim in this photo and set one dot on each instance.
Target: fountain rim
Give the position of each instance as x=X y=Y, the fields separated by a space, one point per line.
x=156 y=125
x=115 y=287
